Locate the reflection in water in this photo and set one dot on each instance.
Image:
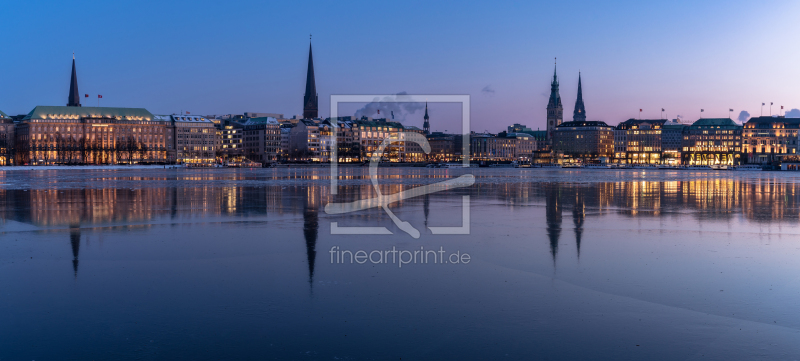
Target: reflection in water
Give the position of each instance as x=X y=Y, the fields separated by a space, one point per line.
x=762 y=200
x=310 y=231
x=426 y=207
x=553 y=216
x=75 y=241
x=578 y=215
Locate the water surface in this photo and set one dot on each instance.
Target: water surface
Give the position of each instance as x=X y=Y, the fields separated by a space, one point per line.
x=159 y=264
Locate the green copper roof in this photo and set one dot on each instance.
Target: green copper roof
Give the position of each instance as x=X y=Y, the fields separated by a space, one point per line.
x=3 y=115
x=715 y=122
x=61 y=112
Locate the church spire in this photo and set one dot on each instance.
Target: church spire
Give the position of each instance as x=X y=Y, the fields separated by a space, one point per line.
x=74 y=97
x=555 y=110
x=580 y=112
x=310 y=100
x=426 y=127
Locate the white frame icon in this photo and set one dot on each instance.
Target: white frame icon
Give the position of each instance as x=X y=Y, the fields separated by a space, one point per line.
x=384 y=200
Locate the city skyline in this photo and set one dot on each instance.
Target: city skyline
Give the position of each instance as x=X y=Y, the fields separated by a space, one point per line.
x=507 y=80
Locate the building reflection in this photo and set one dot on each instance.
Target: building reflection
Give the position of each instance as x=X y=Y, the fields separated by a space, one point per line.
x=711 y=198
x=578 y=215
x=553 y=216
x=311 y=230
x=75 y=242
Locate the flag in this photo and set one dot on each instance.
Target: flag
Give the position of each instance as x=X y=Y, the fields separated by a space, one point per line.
x=188 y=113
x=781 y=106
x=640 y=110
x=770 y=103
x=392 y=114
x=379 y=111
x=730 y=110
x=702 y=110
x=662 y=109
x=762 y=104
x=99 y=96
x=86 y=95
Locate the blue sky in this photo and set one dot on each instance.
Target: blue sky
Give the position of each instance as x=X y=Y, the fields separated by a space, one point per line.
x=213 y=57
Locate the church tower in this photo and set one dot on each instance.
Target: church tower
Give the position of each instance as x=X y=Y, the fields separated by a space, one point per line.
x=310 y=101
x=555 y=111
x=74 y=97
x=579 y=115
x=426 y=127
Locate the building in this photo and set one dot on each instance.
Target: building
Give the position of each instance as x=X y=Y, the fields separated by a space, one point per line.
x=374 y=131
x=445 y=147
x=310 y=100
x=525 y=146
x=6 y=140
x=712 y=141
x=555 y=110
x=671 y=138
x=768 y=139
x=348 y=141
x=414 y=151
x=231 y=139
x=591 y=141
x=261 y=139
x=74 y=134
x=638 y=141
x=286 y=129
x=304 y=141
x=502 y=147
x=191 y=139
x=539 y=136
x=90 y=135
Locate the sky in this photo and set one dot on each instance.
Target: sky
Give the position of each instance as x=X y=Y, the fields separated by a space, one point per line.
x=215 y=57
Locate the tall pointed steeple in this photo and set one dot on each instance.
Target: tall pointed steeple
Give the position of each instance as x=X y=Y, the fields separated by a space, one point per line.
x=310 y=101
x=555 y=110
x=426 y=127
x=580 y=112
x=74 y=97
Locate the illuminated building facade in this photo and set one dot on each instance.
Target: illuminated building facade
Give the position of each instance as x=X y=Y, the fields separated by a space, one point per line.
x=767 y=139
x=90 y=135
x=712 y=141
x=445 y=147
x=638 y=141
x=671 y=138
x=191 y=139
x=230 y=139
x=372 y=132
x=588 y=140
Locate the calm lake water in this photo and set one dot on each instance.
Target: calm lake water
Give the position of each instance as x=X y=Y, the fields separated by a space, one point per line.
x=155 y=264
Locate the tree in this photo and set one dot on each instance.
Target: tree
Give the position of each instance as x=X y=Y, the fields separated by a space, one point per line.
x=83 y=149
x=141 y=149
x=130 y=148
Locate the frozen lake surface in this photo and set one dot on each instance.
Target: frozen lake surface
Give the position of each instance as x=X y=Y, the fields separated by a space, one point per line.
x=210 y=264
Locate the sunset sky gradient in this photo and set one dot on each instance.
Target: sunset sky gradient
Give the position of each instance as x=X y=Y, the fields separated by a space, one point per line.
x=213 y=57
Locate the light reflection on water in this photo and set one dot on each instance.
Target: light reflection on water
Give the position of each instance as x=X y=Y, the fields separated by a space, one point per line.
x=163 y=264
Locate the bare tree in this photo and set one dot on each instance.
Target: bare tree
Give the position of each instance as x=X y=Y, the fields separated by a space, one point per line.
x=141 y=149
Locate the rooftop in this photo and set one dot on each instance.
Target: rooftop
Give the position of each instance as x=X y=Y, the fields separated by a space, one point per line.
x=64 y=112
x=717 y=122
x=583 y=123
x=261 y=120
x=631 y=123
